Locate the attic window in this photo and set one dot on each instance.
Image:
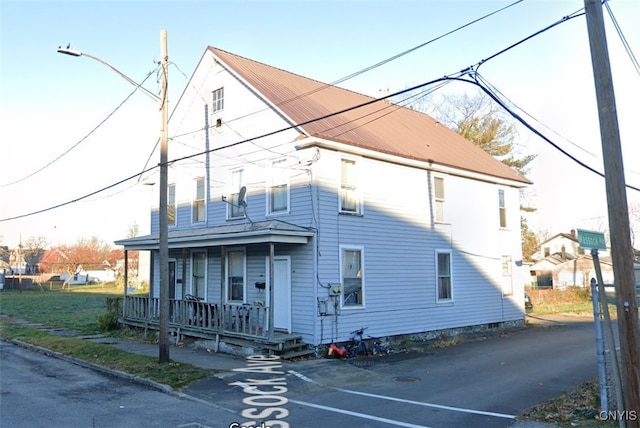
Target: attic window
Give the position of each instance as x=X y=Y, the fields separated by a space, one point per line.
x=218 y=99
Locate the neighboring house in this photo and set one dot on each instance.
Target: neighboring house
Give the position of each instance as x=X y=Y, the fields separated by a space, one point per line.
x=377 y=216
x=561 y=263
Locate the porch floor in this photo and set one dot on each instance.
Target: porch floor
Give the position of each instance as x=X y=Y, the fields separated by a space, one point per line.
x=285 y=345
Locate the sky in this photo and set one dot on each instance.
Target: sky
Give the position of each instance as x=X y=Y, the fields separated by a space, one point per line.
x=71 y=126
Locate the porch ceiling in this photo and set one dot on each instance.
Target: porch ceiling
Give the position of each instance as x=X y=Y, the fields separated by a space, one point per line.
x=235 y=234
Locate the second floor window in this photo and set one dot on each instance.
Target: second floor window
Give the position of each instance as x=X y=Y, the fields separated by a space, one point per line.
x=199 y=201
x=218 y=99
x=171 y=205
x=503 y=209
x=234 y=208
x=349 y=198
x=279 y=190
x=438 y=197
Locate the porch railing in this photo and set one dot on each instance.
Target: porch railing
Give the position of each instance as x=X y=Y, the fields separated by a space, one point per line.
x=245 y=320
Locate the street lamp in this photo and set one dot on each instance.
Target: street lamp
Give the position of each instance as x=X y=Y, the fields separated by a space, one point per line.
x=73 y=52
x=163 y=240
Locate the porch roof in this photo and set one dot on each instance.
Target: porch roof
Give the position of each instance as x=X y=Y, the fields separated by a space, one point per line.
x=235 y=234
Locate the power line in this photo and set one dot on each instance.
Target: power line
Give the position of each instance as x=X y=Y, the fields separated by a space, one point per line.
x=83 y=139
x=623 y=39
x=532 y=129
x=457 y=77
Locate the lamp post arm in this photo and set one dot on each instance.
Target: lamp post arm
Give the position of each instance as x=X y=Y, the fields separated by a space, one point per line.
x=73 y=52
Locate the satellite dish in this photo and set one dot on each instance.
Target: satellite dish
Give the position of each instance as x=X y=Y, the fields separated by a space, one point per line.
x=241 y=196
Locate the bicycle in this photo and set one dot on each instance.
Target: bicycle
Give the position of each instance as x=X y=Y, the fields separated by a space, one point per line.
x=358 y=345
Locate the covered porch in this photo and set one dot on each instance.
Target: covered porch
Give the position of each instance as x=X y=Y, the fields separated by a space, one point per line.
x=218 y=307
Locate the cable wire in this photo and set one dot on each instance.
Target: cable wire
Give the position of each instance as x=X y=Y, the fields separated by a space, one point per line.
x=83 y=139
x=460 y=76
x=623 y=39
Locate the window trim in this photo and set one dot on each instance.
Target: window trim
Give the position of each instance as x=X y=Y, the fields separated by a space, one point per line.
x=502 y=209
x=355 y=187
x=193 y=276
x=194 y=203
x=506 y=262
x=234 y=191
x=437 y=276
x=283 y=180
x=437 y=200
x=244 y=276
x=359 y=248
x=217 y=103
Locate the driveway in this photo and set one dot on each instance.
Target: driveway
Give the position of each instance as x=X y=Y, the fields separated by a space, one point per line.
x=485 y=382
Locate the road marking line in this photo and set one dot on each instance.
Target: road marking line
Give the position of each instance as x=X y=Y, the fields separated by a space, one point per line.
x=402 y=400
x=437 y=406
x=359 y=415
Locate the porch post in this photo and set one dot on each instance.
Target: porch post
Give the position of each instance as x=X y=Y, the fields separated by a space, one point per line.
x=271 y=287
x=223 y=273
x=126 y=281
x=184 y=273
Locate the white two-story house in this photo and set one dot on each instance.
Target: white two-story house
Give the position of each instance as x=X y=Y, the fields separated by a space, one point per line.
x=368 y=214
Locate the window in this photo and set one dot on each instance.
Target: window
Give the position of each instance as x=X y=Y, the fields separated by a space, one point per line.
x=235 y=276
x=199 y=201
x=503 y=209
x=198 y=274
x=352 y=277
x=349 y=199
x=171 y=205
x=218 y=99
x=438 y=193
x=443 y=275
x=279 y=191
x=234 y=209
x=507 y=284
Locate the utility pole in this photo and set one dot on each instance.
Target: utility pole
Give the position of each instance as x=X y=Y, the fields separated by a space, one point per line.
x=163 y=241
x=621 y=250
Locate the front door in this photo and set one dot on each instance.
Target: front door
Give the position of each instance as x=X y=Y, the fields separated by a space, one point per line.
x=281 y=292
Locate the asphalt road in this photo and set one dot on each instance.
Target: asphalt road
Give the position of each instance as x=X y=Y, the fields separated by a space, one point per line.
x=485 y=383
x=39 y=391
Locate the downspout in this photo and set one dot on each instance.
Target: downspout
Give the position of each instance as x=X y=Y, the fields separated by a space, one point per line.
x=207 y=173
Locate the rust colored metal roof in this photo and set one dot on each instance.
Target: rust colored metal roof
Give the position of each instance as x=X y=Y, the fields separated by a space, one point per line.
x=379 y=126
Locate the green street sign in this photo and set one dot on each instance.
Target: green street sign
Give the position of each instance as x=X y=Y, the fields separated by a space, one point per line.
x=590 y=240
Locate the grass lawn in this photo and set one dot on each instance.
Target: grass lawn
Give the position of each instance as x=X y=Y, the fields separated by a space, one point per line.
x=79 y=309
